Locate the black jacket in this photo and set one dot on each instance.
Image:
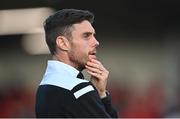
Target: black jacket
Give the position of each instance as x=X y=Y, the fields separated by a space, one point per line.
x=54 y=101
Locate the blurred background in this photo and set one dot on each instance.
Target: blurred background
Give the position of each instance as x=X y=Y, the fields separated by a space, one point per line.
x=139 y=45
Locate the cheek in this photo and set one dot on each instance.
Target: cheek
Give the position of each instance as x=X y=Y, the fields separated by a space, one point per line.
x=81 y=49
x=84 y=48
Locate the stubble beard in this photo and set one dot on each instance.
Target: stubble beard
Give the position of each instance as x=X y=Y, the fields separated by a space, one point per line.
x=77 y=61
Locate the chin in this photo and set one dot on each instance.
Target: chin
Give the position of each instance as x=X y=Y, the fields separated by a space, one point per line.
x=81 y=64
x=81 y=67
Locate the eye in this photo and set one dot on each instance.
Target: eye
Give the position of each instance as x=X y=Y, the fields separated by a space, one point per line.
x=86 y=35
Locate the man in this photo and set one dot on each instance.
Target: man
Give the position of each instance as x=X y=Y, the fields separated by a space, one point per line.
x=62 y=92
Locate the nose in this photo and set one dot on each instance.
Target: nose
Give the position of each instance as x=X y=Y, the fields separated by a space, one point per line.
x=96 y=42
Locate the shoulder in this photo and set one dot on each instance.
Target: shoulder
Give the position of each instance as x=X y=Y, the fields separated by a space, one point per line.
x=77 y=90
x=66 y=82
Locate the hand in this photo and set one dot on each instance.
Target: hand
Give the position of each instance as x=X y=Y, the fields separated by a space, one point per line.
x=99 y=75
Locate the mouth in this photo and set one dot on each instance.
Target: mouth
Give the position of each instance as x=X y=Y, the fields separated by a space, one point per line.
x=92 y=55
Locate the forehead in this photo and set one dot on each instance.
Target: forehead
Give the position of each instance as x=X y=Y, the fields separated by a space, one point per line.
x=84 y=26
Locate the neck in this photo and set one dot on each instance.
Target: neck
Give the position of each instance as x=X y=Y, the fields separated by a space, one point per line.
x=66 y=61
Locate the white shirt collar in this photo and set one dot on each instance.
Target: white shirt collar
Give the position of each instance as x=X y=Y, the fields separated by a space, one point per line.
x=57 y=66
x=61 y=75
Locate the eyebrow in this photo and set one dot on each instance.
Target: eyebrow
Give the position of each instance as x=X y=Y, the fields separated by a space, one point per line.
x=89 y=33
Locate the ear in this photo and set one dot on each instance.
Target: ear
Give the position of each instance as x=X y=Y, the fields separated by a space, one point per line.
x=62 y=43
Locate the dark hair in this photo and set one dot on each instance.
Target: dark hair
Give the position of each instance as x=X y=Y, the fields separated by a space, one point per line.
x=60 y=23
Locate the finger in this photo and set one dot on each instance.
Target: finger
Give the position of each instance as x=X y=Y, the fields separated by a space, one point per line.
x=93 y=69
x=95 y=61
x=94 y=74
x=97 y=64
x=91 y=64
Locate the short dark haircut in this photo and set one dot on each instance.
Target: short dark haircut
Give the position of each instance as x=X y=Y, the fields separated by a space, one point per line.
x=60 y=23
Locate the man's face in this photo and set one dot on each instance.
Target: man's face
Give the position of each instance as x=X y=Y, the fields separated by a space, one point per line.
x=82 y=45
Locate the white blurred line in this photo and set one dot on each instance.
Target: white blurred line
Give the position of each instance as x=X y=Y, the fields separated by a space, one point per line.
x=35 y=44
x=20 y=21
